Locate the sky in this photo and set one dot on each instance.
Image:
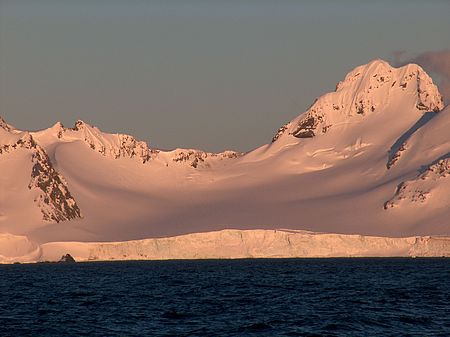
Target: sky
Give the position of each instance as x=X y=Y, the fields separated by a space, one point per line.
x=204 y=74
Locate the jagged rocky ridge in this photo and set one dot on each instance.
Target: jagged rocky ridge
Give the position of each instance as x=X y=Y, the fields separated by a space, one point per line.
x=110 y=145
x=125 y=146
x=197 y=158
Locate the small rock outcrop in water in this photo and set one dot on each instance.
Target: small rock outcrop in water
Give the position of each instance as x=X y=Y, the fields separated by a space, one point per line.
x=67 y=259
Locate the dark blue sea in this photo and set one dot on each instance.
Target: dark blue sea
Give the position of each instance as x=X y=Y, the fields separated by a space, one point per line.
x=282 y=297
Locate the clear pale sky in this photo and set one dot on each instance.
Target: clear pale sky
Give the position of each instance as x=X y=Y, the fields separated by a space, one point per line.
x=205 y=74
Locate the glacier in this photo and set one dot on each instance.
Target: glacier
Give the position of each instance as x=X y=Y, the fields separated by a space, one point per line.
x=226 y=244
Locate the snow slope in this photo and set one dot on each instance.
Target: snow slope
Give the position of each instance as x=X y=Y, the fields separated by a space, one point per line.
x=369 y=159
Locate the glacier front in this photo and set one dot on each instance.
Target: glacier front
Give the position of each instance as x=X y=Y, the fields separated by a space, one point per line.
x=227 y=244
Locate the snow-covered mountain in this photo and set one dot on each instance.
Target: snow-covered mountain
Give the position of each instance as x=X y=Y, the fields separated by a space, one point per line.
x=370 y=158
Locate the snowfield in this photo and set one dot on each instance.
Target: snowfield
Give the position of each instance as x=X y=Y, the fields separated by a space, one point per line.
x=369 y=162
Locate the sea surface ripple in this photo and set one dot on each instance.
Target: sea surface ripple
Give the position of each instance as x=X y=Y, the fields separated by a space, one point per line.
x=260 y=297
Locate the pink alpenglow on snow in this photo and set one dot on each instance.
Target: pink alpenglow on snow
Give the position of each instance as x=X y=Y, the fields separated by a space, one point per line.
x=367 y=164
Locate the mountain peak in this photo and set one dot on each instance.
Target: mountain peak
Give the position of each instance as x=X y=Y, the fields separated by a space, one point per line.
x=376 y=68
x=373 y=88
x=366 y=79
x=79 y=125
x=58 y=126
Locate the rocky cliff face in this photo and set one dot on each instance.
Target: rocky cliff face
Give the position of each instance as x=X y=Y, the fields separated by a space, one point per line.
x=110 y=145
x=118 y=146
x=53 y=197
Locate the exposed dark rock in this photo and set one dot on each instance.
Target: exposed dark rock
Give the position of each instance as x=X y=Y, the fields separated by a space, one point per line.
x=439 y=169
x=401 y=145
x=197 y=158
x=230 y=154
x=305 y=134
x=67 y=259
x=79 y=124
x=363 y=107
x=55 y=200
x=306 y=127
x=280 y=131
x=127 y=147
x=413 y=190
x=25 y=142
x=396 y=156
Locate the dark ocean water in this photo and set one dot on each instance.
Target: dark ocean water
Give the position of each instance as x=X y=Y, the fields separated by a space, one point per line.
x=288 y=297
